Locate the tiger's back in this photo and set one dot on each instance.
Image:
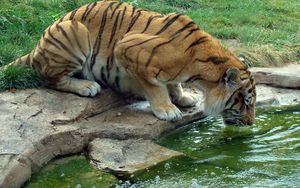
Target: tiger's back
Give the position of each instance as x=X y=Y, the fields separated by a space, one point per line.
x=109 y=21
x=133 y=50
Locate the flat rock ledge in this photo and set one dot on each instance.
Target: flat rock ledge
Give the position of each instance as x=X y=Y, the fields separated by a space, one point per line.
x=286 y=77
x=128 y=157
x=37 y=125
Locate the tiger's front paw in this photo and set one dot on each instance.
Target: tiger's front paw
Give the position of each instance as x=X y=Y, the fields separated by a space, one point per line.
x=167 y=112
x=187 y=100
x=89 y=88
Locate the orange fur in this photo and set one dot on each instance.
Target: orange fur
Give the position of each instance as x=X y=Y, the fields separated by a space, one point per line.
x=133 y=50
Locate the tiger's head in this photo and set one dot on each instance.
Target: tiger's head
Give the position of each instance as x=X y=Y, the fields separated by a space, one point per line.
x=233 y=97
x=228 y=86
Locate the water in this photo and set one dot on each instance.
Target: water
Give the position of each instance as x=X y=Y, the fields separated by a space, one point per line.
x=264 y=155
x=73 y=172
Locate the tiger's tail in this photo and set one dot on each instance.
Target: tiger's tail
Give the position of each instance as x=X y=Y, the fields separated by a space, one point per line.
x=24 y=60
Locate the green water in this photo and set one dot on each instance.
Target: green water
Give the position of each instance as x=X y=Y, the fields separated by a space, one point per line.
x=264 y=155
x=74 y=172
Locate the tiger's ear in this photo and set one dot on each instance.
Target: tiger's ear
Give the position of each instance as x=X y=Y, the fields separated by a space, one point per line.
x=231 y=78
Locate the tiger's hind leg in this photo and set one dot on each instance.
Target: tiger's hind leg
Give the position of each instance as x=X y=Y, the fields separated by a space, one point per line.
x=65 y=49
x=180 y=97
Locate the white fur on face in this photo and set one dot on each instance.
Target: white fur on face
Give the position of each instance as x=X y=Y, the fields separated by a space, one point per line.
x=215 y=101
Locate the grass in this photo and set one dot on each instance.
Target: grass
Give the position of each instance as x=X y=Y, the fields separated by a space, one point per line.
x=19 y=78
x=255 y=25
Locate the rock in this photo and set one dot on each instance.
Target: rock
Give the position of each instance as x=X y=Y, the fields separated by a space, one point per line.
x=287 y=77
x=126 y=157
x=270 y=96
x=37 y=125
x=40 y=124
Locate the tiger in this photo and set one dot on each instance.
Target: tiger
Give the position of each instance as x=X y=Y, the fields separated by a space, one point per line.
x=130 y=50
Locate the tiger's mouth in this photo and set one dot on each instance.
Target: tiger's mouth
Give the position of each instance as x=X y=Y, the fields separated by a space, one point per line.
x=235 y=122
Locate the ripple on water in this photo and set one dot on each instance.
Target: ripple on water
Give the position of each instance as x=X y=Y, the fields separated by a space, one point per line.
x=266 y=154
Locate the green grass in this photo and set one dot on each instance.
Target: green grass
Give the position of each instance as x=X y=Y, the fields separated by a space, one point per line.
x=255 y=25
x=19 y=78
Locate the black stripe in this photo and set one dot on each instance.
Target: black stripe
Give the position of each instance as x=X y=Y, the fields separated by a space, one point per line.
x=103 y=78
x=236 y=101
x=42 y=53
x=150 y=19
x=123 y=15
x=197 y=42
x=64 y=47
x=194 y=78
x=27 y=60
x=114 y=29
x=64 y=64
x=228 y=101
x=73 y=14
x=52 y=54
x=155 y=48
x=178 y=73
x=133 y=21
x=143 y=42
x=168 y=24
x=114 y=45
x=62 y=18
x=137 y=57
x=114 y=11
x=117 y=79
x=19 y=61
x=97 y=44
x=242 y=107
x=191 y=32
x=168 y=16
x=133 y=11
x=216 y=60
x=109 y=63
x=88 y=11
x=122 y=42
x=36 y=62
x=190 y=24
x=157 y=74
x=59 y=28
x=95 y=14
x=52 y=43
x=108 y=68
x=77 y=41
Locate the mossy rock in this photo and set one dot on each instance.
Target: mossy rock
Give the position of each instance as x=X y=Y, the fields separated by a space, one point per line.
x=73 y=171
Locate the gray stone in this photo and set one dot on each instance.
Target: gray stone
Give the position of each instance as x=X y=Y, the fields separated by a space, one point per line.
x=128 y=157
x=271 y=96
x=287 y=77
x=40 y=124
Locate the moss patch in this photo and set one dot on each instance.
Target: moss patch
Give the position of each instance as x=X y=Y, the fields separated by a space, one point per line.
x=73 y=171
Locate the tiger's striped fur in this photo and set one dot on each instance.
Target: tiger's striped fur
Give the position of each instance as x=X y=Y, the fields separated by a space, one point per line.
x=146 y=53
